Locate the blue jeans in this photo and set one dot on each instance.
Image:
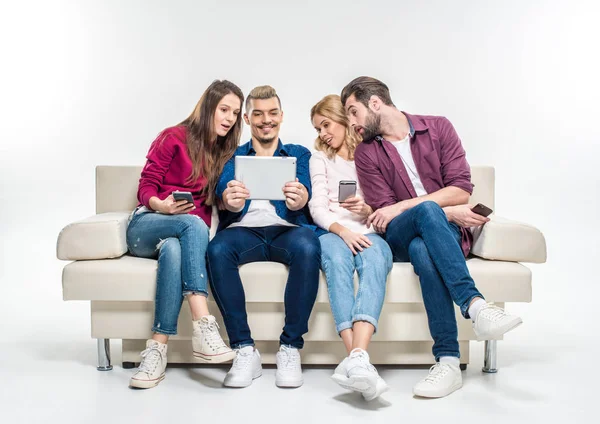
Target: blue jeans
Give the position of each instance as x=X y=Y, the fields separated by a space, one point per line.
x=373 y=265
x=423 y=236
x=297 y=247
x=179 y=242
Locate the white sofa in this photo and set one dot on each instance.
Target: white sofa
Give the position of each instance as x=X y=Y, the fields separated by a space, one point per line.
x=121 y=288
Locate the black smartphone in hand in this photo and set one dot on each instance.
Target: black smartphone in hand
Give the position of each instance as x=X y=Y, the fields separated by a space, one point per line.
x=481 y=209
x=183 y=195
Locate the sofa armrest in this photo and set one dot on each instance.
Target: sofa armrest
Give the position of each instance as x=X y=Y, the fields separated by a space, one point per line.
x=101 y=236
x=505 y=240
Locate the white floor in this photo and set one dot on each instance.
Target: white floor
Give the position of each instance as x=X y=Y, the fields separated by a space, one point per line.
x=48 y=375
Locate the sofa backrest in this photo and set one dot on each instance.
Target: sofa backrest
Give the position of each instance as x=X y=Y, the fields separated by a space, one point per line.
x=116 y=187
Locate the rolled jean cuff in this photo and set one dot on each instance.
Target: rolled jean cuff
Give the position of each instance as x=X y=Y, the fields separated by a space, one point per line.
x=366 y=318
x=464 y=309
x=452 y=354
x=290 y=345
x=343 y=326
x=200 y=292
x=241 y=345
x=155 y=329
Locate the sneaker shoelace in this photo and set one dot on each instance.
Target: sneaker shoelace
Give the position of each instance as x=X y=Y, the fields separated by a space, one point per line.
x=437 y=372
x=290 y=359
x=212 y=336
x=241 y=360
x=150 y=358
x=493 y=313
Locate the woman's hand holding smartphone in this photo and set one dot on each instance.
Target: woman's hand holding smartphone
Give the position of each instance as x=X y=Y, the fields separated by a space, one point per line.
x=172 y=206
x=358 y=206
x=350 y=201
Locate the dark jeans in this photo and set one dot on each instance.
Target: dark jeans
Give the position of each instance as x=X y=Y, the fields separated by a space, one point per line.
x=423 y=236
x=297 y=247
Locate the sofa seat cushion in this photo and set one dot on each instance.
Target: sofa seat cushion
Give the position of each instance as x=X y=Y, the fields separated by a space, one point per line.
x=134 y=279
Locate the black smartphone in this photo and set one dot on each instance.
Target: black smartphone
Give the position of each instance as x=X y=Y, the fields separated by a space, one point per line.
x=183 y=195
x=481 y=209
x=347 y=189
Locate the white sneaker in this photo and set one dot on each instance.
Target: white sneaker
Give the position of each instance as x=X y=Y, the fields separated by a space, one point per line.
x=152 y=368
x=207 y=344
x=246 y=367
x=442 y=380
x=289 y=367
x=361 y=376
x=380 y=388
x=492 y=322
x=341 y=371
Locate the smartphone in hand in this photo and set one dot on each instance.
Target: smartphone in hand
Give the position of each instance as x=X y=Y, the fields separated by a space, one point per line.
x=183 y=195
x=481 y=209
x=346 y=189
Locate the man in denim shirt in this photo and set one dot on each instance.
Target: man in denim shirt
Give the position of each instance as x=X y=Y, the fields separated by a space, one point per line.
x=261 y=230
x=414 y=173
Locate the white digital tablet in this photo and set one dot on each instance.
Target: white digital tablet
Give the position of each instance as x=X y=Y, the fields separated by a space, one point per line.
x=264 y=177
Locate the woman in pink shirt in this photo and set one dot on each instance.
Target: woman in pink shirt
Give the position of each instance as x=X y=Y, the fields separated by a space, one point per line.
x=350 y=245
x=188 y=157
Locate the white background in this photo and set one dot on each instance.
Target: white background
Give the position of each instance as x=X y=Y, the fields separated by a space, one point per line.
x=92 y=83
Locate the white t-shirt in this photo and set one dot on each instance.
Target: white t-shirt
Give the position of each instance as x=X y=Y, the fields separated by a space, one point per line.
x=261 y=213
x=403 y=147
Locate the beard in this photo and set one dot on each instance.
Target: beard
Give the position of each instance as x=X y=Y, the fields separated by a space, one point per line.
x=269 y=138
x=372 y=127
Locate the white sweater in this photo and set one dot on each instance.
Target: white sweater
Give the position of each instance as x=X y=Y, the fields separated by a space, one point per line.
x=325 y=175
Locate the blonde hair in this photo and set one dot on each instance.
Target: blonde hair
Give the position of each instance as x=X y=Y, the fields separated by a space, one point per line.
x=331 y=107
x=262 y=92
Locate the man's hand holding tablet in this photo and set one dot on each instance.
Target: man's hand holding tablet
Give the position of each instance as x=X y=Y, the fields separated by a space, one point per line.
x=296 y=195
x=235 y=196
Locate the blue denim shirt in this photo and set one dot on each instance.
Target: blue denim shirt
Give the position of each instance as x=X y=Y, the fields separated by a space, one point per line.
x=301 y=217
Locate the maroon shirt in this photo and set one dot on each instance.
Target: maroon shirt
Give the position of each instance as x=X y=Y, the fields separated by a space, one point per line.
x=439 y=158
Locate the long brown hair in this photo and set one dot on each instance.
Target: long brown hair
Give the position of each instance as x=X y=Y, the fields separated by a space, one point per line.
x=331 y=107
x=207 y=154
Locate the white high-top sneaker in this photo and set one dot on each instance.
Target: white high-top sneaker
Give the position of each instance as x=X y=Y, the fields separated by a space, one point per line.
x=361 y=376
x=289 y=367
x=492 y=322
x=246 y=367
x=152 y=368
x=442 y=380
x=207 y=344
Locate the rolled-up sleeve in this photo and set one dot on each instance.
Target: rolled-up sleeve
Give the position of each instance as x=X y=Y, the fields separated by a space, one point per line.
x=456 y=171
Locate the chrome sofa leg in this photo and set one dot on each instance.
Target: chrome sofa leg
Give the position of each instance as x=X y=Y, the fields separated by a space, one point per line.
x=104 y=355
x=489 y=359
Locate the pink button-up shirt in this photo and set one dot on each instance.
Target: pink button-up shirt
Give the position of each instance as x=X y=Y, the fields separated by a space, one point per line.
x=439 y=157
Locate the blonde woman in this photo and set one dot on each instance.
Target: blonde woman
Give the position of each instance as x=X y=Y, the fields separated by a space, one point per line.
x=348 y=246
